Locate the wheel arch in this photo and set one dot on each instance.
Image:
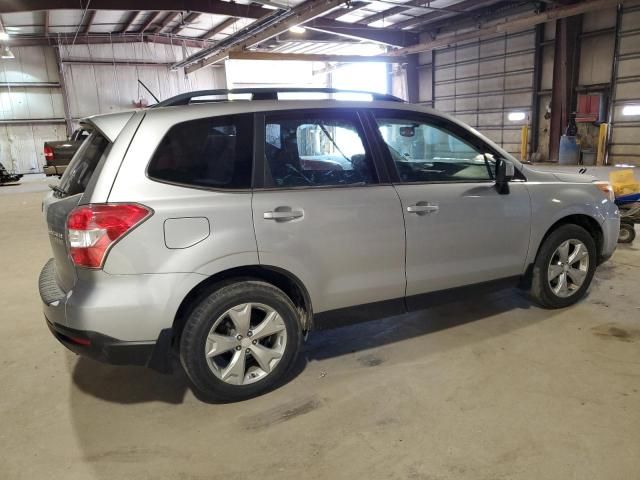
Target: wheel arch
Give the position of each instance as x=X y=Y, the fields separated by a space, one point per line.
x=286 y=281
x=590 y=224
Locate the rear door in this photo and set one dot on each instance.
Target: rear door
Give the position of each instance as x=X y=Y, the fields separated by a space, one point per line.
x=460 y=230
x=324 y=211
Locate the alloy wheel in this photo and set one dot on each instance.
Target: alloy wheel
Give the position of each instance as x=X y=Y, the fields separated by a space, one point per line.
x=568 y=268
x=245 y=343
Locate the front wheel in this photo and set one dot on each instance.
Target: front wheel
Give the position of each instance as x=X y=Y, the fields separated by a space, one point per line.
x=564 y=267
x=240 y=341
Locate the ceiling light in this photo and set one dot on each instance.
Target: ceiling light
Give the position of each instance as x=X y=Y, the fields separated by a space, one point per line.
x=6 y=53
x=297 y=29
x=516 y=116
x=629 y=110
x=4 y=36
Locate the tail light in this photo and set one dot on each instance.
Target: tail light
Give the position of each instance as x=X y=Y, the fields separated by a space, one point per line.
x=48 y=153
x=93 y=229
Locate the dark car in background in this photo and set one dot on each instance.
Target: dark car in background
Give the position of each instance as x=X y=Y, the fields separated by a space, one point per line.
x=58 y=154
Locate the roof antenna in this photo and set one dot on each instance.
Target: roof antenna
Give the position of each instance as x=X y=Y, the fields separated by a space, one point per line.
x=147 y=89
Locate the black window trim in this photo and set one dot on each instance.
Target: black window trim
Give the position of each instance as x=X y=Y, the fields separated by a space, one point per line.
x=204 y=187
x=436 y=121
x=371 y=148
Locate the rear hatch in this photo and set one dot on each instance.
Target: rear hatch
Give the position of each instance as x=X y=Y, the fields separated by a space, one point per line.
x=64 y=198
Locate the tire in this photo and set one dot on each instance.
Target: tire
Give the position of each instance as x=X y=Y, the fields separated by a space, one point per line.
x=242 y=339
x=627 y=233
x=546 y=288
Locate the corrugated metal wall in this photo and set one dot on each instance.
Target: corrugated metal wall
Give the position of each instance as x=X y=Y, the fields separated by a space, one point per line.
x=98 y=78
x=625 y=134
x=29 y=113
x=104 y=88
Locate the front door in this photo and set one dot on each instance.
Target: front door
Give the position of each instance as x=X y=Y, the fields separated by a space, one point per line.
x=460 y=230
x=323 y=214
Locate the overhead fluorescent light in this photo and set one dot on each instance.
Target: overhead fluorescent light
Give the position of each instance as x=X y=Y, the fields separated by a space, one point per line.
x=516 y=116
x=6 y=53
x=4 y=36
x=297 y=29
x=630 y=110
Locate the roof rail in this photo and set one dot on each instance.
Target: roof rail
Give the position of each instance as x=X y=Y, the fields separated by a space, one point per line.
x=260 y=94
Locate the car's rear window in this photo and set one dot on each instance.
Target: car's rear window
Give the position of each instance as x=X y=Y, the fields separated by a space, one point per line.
x=77 y=175
x=209 y=152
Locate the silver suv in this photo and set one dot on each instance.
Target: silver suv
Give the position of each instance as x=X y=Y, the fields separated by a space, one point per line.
x=222 y=231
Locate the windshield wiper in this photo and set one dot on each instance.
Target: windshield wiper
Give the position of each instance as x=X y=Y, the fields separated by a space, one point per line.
x=58 y=190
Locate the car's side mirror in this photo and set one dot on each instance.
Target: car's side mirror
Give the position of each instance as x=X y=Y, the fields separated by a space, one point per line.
x=505 y=171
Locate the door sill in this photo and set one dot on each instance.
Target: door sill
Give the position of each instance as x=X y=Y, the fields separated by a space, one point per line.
x=341 y=317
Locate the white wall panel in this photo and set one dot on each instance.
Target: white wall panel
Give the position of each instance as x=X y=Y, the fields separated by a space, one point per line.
x=31 y=64
x=105 y=88
x=81 y=90
x=21 y=145
x=92 y=89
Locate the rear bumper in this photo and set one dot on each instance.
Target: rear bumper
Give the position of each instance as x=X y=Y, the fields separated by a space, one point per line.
x=51 y=170
x=117 y=319
x=132 y=308
x=103 y=348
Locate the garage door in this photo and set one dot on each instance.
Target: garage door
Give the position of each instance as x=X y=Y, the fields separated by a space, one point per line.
x=625 y=138
x=482 y=82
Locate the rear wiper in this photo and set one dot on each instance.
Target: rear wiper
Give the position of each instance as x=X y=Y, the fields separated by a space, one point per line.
x=58 y=190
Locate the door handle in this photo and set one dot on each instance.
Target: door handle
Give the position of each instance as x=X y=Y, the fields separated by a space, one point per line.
x=283 y=215
x=423 y=208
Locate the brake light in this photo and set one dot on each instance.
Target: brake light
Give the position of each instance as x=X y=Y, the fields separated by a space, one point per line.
x=48 y=153
x=93 y=229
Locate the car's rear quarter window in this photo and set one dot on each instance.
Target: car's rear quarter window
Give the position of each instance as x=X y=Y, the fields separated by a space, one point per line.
x=209 y=152
x=84 y=163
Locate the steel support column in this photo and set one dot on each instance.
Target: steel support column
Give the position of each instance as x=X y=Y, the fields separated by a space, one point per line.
x=565 y=77
x=413 y=88
x=613 y=84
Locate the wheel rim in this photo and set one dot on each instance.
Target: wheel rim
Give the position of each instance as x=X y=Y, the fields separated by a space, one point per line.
x=568 y=268
x=245 y=343
x=624 y=235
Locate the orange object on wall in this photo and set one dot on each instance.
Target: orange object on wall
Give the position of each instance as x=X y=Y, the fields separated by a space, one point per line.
x=588 y=108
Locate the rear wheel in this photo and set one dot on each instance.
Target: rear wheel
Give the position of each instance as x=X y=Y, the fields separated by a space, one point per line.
x=627 y=233
x=564 y=267
x=240 y=341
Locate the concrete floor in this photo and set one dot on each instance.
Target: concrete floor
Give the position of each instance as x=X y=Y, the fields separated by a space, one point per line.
x=491 y=389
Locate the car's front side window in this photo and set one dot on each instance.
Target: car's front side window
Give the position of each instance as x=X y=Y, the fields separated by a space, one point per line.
x=315 y=149
x=423 y=152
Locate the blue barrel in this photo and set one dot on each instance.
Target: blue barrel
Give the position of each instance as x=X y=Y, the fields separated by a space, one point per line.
x=569 y=151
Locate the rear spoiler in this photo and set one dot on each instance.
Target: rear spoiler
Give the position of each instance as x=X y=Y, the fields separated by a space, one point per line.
x=109 y=125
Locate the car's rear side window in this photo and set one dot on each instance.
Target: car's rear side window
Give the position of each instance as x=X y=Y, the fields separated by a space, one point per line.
x=208 y=152
x=84 y=163
x=316 y=149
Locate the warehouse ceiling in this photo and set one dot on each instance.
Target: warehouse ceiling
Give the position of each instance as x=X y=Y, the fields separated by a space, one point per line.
x=222 y=28
x=203 y=23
